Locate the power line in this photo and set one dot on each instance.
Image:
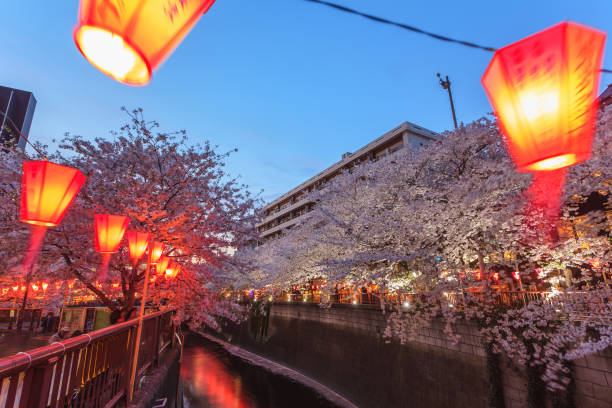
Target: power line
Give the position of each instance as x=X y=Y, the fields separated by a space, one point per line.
x=412 y=28
x=22 y=135
x=401 y=25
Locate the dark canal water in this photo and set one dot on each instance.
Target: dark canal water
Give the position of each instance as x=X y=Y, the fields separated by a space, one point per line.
x=214 y=378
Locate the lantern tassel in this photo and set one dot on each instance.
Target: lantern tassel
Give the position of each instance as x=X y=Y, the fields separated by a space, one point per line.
x=544 y=204
x=104 y=267
x=36 y=239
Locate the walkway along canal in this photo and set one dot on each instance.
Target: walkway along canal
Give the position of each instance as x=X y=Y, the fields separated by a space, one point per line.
x=214 y=378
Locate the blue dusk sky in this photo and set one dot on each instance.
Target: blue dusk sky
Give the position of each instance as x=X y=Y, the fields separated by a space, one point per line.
x=291 y=84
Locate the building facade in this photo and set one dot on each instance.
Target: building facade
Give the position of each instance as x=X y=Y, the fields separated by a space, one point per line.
x=16 y=113
x=285 y=211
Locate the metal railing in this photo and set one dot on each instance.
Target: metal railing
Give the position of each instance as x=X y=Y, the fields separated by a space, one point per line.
x=503 y=298
x=91 y=370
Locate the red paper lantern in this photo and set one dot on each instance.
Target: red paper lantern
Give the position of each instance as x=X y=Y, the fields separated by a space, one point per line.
x=137 y=244
x=128 y=39
x=173 y=270
x=45 y=285
x=516 y=276
x=109 y=232
x=15 y=288
x=495 y=276
x=478 y=275
x=156 y=251
x=162 y=265
x=35 y=287
x=58 y=285
x=47 y=191
x=543 y=90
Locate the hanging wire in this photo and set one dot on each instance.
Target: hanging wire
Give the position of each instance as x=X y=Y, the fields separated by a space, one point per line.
x=413 y=29
x=22 y=135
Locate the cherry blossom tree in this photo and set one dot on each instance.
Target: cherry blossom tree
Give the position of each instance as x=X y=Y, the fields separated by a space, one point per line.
x=176 y=190
x=429 y=222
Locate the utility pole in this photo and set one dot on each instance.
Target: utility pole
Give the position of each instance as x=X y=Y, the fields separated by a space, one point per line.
x=446 y=84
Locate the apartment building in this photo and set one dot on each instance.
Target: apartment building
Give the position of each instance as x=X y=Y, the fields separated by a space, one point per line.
x=285 y=211
x=16 y=113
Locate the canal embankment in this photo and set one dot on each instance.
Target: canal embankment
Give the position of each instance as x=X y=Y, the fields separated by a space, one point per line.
x=343 y=347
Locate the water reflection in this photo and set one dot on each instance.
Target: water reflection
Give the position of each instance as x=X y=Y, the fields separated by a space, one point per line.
x=212 y=378
x=206 y=379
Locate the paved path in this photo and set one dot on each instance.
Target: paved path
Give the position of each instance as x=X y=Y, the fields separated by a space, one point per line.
x=12 y=342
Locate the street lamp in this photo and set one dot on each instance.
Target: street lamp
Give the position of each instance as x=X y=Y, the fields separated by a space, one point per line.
x=128 y=39
x=543 y=90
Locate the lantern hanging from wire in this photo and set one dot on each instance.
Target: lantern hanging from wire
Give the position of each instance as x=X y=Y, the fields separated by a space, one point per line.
x=128 y=39
x=47 y=191
x=137 y=244
x=109 y=232
x=156 y=249
x=543 y=90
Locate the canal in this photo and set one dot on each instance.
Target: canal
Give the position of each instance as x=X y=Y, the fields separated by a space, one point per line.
x=213 y=378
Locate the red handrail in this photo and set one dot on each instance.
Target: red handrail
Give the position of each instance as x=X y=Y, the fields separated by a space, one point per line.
x=92 y=368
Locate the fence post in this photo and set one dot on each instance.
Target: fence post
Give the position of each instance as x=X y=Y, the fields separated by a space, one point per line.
x=39 y=386
x=131 y=367
x=157 y=333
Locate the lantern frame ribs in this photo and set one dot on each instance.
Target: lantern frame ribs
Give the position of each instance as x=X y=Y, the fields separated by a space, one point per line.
x=544 y=93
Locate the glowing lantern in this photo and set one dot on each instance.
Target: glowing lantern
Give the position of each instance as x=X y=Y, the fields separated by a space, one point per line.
x=128 y=39
x=70 y=285
x=172 y=271
x=477 y=275
x=116 y=285
x=109 y=231
x=156 y=251
x=543 y=89
x=23 y=288
x=516 y=275
x=495 y=276
x=595 y=263
x=47 y=191
x=58 y=285
x=162 y=265
x=137 y=244
x=153 y=279
x=45 y=285
x=15 y=288
x=35 y=287
x=539 y=273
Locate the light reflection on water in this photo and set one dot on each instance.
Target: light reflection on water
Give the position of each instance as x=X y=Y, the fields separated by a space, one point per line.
x=212 y=378
x=207 y=380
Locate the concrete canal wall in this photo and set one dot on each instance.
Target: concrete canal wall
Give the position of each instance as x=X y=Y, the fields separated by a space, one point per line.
x=343 y=348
